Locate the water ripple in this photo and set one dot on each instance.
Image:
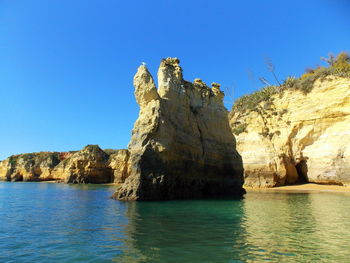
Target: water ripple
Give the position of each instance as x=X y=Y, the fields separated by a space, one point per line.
x=45 y=222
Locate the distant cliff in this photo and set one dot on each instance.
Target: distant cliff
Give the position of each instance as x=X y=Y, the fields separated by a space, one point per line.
x=181 y=145
x=296 y=136
x=89 y=165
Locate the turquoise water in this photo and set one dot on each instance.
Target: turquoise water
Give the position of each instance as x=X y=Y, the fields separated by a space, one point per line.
x=46 y=222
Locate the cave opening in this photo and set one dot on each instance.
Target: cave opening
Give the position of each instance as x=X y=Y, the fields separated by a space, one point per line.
x=17 y=178
x=302 y=172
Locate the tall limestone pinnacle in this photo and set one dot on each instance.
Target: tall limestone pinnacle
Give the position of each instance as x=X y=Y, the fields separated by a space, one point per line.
x=181 y=145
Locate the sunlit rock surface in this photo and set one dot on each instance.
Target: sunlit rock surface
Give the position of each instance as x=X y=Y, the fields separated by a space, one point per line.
x=181 y=145
x=298 y=137
x=118 y=162
x=31 y=166
x=89 y=165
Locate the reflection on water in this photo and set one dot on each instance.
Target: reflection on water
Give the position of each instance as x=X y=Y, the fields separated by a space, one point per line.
x=277 y=227
x=298 y=226
x=198 y=231
x=44 y=222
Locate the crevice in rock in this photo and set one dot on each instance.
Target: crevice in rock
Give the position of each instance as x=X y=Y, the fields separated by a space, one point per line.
x=201 y=139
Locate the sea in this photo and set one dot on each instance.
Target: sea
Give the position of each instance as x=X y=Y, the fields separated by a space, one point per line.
x=51 y=222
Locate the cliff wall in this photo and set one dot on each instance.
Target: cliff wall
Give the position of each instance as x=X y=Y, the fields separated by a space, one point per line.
x=296 y=137
x=89 y=165
x=30 y=166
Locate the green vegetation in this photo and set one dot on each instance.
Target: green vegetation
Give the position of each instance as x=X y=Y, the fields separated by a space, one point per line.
x=249 y=102
x=31 y=158
x=240 y=128
x=92 y=147
x=110 y=151
x=13 y=160
x=337 y=66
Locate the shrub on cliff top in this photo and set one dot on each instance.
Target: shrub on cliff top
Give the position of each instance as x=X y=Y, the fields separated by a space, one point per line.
x=337 y=66
x=249 y=102
x=341 y=65
x=31 y=158
x=306 y=82
x=110 y=151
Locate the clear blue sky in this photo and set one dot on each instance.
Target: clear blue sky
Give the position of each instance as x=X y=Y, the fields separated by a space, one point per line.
x=66 y=66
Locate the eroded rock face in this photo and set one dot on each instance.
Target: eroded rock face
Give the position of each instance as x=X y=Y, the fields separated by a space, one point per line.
x=30 y=166
x=298 y=137
x=89 y=165
x=181 y=145
x=119 y=164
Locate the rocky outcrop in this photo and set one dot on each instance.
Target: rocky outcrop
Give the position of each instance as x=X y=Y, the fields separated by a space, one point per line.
x=181 y=145
x=119 y=164
x=30 y=166
x=296 y=137
x=89 y=165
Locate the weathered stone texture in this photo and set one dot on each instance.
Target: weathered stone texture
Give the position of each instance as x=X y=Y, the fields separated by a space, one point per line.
x=298 y=137
x=181 y=145
x=89 y=165
x=29 y=167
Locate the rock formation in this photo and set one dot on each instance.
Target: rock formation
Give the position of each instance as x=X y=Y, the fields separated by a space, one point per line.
x=29 y=166
x=119 y=164
x=181 y=145
x=89 y=165
x=297 y=137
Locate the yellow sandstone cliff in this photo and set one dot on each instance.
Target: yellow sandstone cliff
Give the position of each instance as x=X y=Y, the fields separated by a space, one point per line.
x=31 y=166
x=296 y=137
x=89 y=165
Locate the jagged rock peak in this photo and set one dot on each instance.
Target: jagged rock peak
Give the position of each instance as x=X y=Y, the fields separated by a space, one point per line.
x=170 y=61
x=199 y=84
x=215 y=85
x=173 y=64
x=171 y=85
x=145 y=89
x=181 y=145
